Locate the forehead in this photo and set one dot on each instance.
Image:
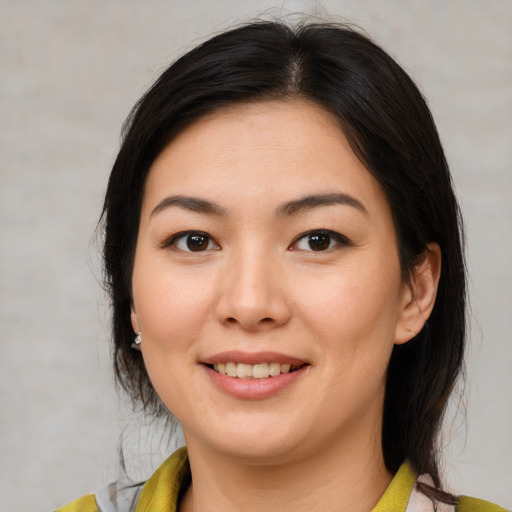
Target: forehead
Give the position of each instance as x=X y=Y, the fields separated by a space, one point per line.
x=260 y=152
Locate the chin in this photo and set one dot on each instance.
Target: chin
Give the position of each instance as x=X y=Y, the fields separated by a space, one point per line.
x=263 y=453
x=257 y=443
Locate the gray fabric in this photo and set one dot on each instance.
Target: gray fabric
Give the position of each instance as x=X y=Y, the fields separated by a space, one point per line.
x=119 y=496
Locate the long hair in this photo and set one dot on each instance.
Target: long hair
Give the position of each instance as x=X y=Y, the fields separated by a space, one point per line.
x=390 y=128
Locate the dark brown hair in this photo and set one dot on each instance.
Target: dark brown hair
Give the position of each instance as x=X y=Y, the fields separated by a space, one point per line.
x=390 y=128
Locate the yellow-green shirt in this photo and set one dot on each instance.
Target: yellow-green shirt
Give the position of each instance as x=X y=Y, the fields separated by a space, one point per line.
x=162 y=491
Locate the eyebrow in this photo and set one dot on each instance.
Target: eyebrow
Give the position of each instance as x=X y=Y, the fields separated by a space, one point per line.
x=193 y=204
x=316 y=200
x=199 y=205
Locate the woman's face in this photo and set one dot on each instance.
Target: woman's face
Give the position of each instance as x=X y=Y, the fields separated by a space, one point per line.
x=267 y=251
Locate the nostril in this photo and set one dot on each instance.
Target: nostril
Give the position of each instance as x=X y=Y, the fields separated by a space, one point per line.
x=261 y=322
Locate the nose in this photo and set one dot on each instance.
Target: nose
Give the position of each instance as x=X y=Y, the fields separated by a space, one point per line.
x=253 y=295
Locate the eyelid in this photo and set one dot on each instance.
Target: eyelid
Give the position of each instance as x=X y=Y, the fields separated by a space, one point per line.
x=341 y=240
x=171 y=241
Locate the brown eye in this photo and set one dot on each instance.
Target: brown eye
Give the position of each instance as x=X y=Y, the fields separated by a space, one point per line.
x=319 y=241
x=197 y=243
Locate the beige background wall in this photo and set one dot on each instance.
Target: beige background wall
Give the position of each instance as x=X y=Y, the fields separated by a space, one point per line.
x=70 y=70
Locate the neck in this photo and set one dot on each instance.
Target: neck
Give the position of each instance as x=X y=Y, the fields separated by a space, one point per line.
x=344 y=476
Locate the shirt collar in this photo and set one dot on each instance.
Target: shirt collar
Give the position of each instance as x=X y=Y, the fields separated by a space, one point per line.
x=163 y=490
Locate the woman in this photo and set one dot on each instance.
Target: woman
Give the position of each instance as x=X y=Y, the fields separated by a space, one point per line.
x=283 y=251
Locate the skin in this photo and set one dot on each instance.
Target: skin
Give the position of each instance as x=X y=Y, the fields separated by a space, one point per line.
x=257 y=286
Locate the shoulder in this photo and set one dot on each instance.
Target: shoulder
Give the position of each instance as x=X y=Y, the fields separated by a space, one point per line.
x=160 y=492
x=467 y=504
x=85 y=504
x=119 y=496
x=417 y=501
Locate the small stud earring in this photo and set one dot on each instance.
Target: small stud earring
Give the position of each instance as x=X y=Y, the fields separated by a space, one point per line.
x=136 y=342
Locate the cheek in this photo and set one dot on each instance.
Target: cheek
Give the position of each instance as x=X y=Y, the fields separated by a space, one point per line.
x=171 y=312
x=351 y=321
x=354 y=304
x=170 y=307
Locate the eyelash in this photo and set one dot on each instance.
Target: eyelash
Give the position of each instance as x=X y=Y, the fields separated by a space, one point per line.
x=333 y=238
x=172 y=242
x=337 y=238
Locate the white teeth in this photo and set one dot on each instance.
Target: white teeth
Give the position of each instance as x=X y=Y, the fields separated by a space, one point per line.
x=274 y=369
x=252 y=371
x=260 y=371
x=243 y=371
x=231 y=369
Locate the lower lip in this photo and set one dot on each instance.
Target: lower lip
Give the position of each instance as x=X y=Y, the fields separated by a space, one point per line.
x=255 y=389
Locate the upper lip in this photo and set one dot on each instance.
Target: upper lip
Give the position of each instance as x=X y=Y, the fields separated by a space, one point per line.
x=253 y=358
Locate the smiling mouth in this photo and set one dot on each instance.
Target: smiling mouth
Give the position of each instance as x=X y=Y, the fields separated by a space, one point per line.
x=254 y=371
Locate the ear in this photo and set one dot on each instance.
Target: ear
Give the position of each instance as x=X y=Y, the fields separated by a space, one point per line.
x=133 y=318
x=419 y=295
